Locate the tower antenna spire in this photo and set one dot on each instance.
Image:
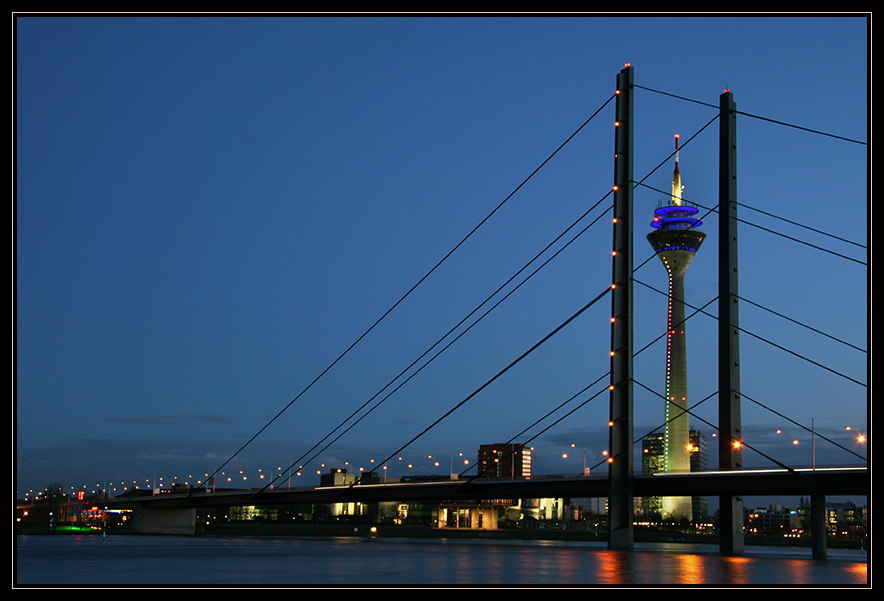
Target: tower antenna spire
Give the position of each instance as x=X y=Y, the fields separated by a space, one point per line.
x=676 y=178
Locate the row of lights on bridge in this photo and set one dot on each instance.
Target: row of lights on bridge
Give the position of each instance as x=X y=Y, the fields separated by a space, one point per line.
x=241 y=475
x=860 y=439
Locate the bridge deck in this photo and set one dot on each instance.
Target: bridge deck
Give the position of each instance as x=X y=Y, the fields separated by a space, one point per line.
x=839 y=481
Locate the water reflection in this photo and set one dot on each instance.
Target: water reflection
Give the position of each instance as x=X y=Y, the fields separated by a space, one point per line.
x=613 y=568
x=859 y=571
x=230 y=561
x=735 y=569
x=691 y=569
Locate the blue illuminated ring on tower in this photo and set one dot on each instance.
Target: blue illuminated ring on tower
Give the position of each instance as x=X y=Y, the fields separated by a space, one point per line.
x=676 y=216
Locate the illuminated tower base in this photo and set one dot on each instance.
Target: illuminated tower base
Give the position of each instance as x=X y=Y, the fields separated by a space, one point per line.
x=676 y=241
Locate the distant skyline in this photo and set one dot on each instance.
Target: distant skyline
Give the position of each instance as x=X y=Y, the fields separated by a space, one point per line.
x=210 y=210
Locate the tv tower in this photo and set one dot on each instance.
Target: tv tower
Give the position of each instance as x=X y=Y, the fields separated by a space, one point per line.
x=676 y=240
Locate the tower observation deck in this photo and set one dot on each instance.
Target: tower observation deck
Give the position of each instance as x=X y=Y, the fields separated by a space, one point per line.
x=676 y=240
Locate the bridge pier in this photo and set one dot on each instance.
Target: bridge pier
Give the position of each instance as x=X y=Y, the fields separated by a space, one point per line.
x=155 y=520
x=818 y=525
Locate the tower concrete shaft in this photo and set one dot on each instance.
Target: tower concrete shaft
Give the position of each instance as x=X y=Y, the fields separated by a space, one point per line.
x=676 y=241
x=676 y=433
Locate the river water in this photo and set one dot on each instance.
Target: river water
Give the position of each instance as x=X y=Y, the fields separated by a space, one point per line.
x=164 y=561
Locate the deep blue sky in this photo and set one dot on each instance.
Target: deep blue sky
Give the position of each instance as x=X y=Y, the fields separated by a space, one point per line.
x=209 y=211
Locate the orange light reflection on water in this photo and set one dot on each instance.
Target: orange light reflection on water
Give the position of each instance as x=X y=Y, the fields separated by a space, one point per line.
x=736 y=569
x=692 y=569
x=861 y=571
x=612 y=569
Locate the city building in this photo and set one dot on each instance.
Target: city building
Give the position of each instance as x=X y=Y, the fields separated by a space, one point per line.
x=504 y=461
x=773 y=520
x=337 y=477
x=843 y=520
x=676 y=240
x=652 y=463
x=699 y=453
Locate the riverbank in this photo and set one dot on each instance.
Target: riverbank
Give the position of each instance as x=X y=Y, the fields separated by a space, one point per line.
x=265 y=529
x=552 y=534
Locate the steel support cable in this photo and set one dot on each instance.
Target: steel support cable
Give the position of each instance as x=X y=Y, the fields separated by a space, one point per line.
x=664 y=423
x=741 y=442
x=789 y=125
x=459 y=335
x=663 y=335
x=559 y=420
x=462 y=333
x=789 y=221
x=660 y=337
x=796 y=322
x=820 y=365
x=711 y=425
x=663 y=162
x=715 y=209
x=770 y=231
x=741 y=394
x=549 y=413
x=710 y=210
x=412 y=289
x=715 y=106
x=807 y=129
x=675 y=239
x=782 y=348
x=814 y=131
x=803 y=427
x=501 y=372
x=672 y=154
x=677 y=406
x=586 y=388
x=801 y=225
x=646 y=176
x=793 y=239
x=556 y=422
x=636 y=353
x=748 y=206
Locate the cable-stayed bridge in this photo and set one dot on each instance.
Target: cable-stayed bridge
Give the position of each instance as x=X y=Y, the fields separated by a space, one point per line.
x=729 y=480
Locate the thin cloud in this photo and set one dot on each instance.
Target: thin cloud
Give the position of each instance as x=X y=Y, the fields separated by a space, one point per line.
x=169 y=419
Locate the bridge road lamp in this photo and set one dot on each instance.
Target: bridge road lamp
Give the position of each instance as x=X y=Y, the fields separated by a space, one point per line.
x=585 y=471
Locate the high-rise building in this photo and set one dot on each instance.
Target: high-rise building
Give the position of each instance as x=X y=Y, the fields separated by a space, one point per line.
x=699 y=452
x=652 y=463
x=505 y=461
x=652 y=453
x=676 y=240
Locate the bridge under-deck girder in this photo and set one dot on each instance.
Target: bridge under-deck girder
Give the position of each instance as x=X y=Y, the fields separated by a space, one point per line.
x=842 y=481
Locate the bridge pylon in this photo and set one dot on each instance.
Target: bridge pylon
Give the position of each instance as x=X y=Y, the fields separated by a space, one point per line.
x=620 y=443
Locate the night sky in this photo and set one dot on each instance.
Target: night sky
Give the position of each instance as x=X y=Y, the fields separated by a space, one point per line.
x=209 y=211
